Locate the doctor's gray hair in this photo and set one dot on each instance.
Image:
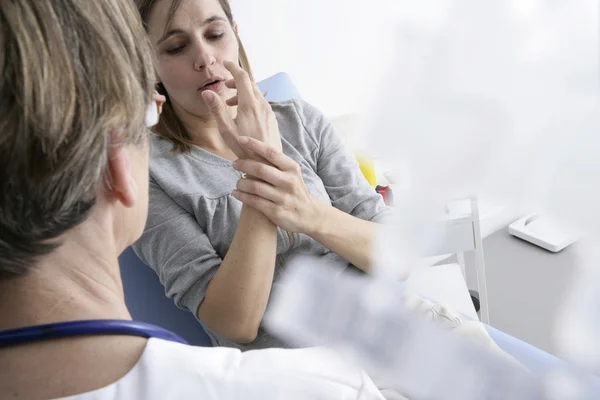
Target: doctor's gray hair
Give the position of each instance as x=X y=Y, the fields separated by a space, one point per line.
x=76 y=77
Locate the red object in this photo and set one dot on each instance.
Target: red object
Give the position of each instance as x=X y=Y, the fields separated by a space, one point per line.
x=386 y=193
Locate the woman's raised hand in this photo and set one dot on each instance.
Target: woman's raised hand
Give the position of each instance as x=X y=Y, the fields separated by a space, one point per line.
x=255 y=118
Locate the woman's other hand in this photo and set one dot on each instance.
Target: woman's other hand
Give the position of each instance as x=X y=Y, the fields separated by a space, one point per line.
x=276 y=188
x=255 y=118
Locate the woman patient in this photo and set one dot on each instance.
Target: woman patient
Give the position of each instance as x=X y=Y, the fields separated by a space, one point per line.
x=225 y=214
x=75 y=79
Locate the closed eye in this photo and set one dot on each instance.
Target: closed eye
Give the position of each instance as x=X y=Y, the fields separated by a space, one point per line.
x=176 y=49
x=215 y=36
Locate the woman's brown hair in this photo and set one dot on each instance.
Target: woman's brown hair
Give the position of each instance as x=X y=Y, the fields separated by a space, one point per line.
x=170 y=126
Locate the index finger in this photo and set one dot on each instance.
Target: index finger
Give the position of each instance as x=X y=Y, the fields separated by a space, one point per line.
x=225 y=123
x=243 y=83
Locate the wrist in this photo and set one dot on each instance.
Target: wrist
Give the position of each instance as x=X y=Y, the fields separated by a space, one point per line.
x=316 y=223
x=253 y=217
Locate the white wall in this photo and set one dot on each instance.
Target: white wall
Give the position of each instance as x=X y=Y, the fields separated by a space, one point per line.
x=332 y=49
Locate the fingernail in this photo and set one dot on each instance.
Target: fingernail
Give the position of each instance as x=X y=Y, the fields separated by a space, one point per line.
x=236 y=164
x=244 y=140
x=234 y=193
x=209 y=97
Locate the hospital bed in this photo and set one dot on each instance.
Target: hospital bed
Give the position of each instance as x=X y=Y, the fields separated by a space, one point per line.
x=147 y=302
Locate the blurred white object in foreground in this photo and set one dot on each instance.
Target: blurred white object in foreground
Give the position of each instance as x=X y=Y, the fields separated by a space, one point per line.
x=368 y=320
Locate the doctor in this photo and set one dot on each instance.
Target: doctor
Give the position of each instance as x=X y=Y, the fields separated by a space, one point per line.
x=75 y=76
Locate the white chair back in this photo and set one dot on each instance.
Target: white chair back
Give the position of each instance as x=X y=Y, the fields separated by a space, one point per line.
x=460 y=234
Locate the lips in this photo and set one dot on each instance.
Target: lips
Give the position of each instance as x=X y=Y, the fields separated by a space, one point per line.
x=213 y=83
x=215 y=87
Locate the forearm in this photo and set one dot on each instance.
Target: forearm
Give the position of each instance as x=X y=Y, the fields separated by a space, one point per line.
x=344 y=234
x=237 y=296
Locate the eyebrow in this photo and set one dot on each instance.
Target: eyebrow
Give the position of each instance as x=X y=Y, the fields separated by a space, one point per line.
x=172 y=32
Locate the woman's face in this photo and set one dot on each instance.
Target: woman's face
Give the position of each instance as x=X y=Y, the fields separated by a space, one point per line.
x=191 y=51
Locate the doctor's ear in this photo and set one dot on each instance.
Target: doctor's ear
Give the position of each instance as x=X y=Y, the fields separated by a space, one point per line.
x=119 y=181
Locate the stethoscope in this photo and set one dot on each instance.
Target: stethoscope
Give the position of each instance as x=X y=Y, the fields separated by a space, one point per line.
x=61 y=330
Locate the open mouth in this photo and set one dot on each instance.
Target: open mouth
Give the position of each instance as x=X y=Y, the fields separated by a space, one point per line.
x=213 y=85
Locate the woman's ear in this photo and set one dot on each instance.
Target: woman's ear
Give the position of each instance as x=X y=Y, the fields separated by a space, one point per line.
x=236 y=28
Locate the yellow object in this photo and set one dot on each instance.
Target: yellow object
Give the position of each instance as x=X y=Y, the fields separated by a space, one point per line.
x=367 y=168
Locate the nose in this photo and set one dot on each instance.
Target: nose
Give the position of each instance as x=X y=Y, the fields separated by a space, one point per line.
x=204 y=57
